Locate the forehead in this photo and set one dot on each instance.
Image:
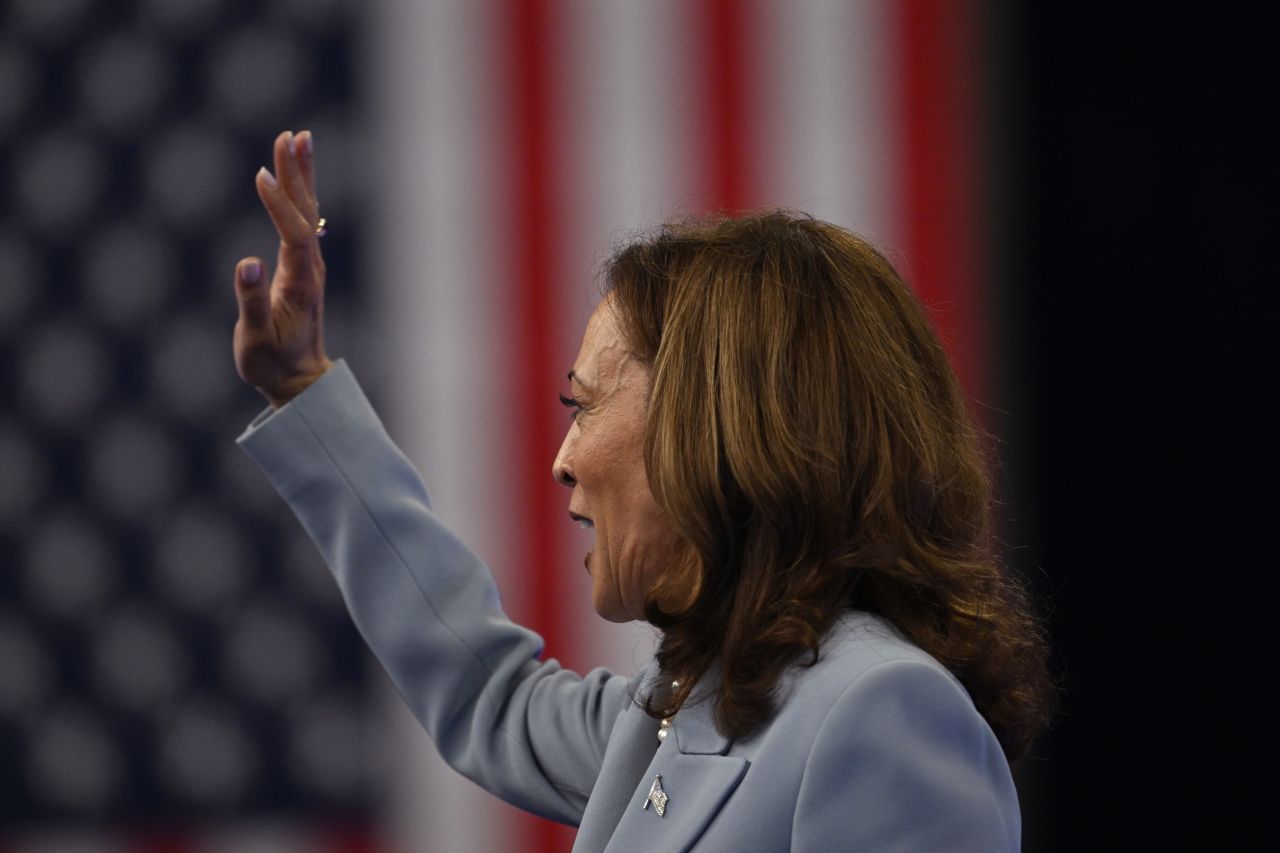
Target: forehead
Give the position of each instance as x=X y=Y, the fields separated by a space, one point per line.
x=602 y=337
x=605 y=351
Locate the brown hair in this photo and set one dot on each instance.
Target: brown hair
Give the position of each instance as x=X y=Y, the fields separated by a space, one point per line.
x=809 y=441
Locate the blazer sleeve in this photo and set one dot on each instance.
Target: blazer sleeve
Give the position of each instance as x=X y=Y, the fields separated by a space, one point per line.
x=904 y=762
x=521 y=727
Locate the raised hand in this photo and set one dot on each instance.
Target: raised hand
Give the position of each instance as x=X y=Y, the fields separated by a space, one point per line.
x=279 y=337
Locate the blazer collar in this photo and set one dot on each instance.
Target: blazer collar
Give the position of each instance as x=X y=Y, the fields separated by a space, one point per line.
x=694 y=727
x=695 y=730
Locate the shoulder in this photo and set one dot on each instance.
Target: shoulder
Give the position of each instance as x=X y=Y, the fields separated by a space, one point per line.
x=875 y=747
x=871 y=685
x=862 y=651
x=894 y=738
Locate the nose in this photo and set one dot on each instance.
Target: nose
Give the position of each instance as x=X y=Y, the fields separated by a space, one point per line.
x=562 y=468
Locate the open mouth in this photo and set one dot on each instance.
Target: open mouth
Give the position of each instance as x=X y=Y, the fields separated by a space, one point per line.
x=586 y=524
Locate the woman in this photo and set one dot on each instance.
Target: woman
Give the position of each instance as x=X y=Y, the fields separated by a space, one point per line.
x=777 y=465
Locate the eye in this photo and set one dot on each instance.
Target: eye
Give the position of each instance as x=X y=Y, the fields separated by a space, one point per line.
x=571 y=403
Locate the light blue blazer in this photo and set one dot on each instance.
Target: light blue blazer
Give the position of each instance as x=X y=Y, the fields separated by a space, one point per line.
x=876 y=748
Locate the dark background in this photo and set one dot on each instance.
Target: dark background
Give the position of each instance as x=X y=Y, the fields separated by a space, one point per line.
x=1137 y=178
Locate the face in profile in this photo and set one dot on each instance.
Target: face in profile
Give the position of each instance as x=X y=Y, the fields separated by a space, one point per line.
x=602 y=460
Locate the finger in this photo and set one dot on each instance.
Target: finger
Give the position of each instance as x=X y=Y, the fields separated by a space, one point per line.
x=293 y=227
x=307 y=165
x=289 y=171
x=252 y=293
x=299 y=277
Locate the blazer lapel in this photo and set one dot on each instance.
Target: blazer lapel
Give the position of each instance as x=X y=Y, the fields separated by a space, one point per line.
x=697 y=777
x=629 y=752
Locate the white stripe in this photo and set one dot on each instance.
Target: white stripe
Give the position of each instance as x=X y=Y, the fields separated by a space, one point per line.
x=434 y=251
x=629 y=148
x=626 y=77
x=828 y=121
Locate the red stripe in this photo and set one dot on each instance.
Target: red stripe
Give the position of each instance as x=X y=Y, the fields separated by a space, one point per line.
x=532 y=276
x=161 y=840
x=937 y=43
x=352 y=839
x=728 y=118
x=342 y=839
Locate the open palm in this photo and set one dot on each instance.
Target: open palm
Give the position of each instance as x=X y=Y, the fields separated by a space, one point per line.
x=279 y=336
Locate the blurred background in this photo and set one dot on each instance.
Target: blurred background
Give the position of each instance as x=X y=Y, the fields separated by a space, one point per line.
x=1083 y=198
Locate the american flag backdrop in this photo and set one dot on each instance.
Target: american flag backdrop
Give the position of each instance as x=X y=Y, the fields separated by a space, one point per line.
x=176 y=673
x=518 y=141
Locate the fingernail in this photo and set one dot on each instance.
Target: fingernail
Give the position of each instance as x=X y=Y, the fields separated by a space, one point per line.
x=266 y=176
x=293 y=145
x=251 y=272
x=308 y=147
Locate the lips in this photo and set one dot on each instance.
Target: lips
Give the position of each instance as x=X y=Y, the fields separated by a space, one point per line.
x=586 y=524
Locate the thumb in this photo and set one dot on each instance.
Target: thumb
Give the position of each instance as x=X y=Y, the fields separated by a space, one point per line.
x=252 y=293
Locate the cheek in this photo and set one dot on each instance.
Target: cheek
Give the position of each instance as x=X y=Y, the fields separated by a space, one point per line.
x=646 y=552
x=641 y=526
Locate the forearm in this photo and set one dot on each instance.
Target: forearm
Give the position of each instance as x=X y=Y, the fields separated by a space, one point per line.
x=429 y=609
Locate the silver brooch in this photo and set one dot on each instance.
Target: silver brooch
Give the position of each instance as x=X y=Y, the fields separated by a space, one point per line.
x=657 y=796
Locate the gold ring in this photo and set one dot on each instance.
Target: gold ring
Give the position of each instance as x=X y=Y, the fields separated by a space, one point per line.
x=320 y=229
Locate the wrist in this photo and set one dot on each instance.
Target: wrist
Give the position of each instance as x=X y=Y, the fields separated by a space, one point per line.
x=281 y=395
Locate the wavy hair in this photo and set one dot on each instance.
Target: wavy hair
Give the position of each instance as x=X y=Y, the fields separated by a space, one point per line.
x=809 y=441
